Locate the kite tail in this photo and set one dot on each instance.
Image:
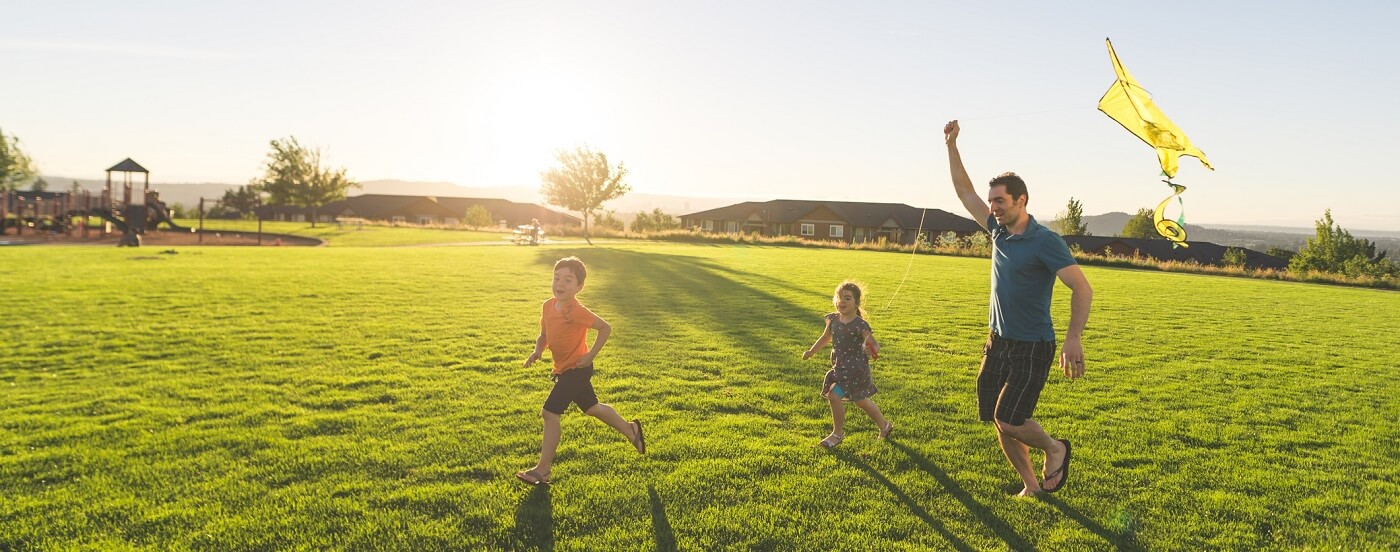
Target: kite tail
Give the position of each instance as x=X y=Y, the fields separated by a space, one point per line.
x=1174 y=230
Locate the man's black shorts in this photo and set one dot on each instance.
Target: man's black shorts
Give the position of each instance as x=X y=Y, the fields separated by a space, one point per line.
x=572 y=386
x=1013 y=373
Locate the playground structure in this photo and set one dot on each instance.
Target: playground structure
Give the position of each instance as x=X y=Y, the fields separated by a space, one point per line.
x=133 y=214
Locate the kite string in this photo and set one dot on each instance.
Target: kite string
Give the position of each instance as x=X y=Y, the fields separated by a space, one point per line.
x=911 y=259
x=1024 y=114
x=924 y=212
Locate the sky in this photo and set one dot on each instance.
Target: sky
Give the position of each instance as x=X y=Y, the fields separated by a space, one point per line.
x=1292 y=102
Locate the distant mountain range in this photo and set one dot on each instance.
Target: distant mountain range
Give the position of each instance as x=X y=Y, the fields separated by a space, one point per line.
x=1258 y=238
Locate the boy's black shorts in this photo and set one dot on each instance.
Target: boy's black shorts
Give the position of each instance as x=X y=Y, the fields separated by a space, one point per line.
x=1013 y=373
x=572 y=386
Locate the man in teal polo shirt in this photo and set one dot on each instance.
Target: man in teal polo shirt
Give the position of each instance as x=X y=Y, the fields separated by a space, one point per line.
x=1026 y=260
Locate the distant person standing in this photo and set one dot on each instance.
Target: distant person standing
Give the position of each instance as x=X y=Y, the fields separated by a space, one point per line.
x=534 y=231
x=564 y=325
x=1026 y=260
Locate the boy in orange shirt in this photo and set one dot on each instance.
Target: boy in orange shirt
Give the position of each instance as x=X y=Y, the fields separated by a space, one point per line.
x=564 y=325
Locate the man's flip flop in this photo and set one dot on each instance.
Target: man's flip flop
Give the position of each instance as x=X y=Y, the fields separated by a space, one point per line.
x=1064 y=468
x=641 y=437
x=533 y=479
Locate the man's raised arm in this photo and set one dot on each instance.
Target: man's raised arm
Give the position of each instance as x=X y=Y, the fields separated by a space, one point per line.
x=961 y=183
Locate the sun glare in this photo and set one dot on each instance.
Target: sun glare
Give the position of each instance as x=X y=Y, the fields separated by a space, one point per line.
x=531 y=113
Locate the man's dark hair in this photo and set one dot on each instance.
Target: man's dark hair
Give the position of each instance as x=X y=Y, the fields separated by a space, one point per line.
x=1015 y=187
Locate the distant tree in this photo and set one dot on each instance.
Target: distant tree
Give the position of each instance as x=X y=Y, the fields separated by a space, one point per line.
x=294 y=176
x=655 y=221
x=75 y=189
x=1285 y=254
x=609 y=220
x=179 y=211
x=1234 y=257
x=241 y=201
x=1071 y=221
x=16 y=168
x=582 y=181
x=1140 y=226
x=39 y=185
x=1333 y=249
x=478 y=216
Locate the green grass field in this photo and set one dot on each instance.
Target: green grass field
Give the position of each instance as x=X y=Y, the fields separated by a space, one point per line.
x=322 y=398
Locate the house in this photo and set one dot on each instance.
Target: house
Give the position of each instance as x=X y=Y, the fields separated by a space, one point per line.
x=848 y=221
x=1205 y=253
x=421 y=210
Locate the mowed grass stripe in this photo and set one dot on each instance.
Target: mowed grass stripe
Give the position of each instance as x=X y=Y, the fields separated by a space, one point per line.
x=285 y=398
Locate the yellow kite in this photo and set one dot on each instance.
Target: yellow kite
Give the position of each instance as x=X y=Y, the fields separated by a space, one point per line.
x=1129 y=104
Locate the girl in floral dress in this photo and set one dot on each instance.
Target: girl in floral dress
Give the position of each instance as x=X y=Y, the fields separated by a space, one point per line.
x=849 y=378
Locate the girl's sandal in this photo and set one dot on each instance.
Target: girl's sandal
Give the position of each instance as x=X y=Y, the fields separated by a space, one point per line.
x=832 y=440
x=885 y=431
x=640 y=441
x=532 y=477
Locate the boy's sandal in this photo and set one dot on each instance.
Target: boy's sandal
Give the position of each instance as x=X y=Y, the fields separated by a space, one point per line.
x=885 y=431
x=531 y=477
x=832 y=440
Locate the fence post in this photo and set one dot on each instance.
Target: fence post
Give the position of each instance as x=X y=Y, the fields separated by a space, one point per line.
x=87 y=211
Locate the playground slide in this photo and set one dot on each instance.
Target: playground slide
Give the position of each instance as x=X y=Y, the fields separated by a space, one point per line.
x=107 y=215
x=162 y=214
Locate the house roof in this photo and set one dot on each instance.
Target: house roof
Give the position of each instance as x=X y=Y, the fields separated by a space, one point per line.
x=385 y=206
x=505 y=209
x=863 y=214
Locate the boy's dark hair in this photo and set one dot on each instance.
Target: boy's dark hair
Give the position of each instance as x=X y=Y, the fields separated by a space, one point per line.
x=1015 y=187
x=575 y=265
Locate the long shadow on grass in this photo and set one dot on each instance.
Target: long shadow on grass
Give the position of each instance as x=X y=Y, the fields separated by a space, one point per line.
x=660 y=526
x=767 y=280
x=681 y=293
x=1122 y=541
x=908 y=502
x=999 y=526
x=534 y=520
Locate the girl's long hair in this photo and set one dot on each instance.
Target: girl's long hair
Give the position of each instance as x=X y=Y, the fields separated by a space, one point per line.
x=856 y=292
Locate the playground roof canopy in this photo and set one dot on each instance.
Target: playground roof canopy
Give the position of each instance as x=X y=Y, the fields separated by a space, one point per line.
x=128 y=166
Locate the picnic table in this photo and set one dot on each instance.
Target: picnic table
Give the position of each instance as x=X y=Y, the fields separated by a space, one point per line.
x=527 y=234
